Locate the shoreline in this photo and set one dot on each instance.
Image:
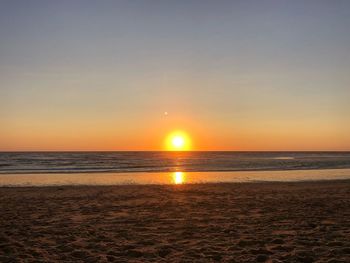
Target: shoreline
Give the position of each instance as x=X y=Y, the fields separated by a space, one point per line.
x=77 y=186
x=168 y=178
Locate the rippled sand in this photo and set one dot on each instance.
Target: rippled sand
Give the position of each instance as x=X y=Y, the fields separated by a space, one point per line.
x=258 y=222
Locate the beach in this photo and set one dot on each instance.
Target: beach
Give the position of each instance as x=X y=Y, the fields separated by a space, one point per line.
x=174 y=131
x=226 y=222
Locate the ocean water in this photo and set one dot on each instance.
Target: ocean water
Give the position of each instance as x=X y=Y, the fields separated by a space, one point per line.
x=126 y=162
x=117 y=168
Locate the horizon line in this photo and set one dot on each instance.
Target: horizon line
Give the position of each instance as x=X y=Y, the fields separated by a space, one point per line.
x=46 y=151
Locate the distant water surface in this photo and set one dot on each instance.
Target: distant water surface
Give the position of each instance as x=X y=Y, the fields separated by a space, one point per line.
x=125 y=162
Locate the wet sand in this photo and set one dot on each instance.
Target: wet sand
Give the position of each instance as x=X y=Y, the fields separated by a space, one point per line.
x=233 y=222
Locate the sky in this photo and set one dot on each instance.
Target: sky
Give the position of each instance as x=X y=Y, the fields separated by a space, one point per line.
x=234 y=75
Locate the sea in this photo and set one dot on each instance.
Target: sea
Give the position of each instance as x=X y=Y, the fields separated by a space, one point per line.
x=110 y=167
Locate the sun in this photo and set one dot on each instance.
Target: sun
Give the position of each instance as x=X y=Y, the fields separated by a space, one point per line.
x=178 y=141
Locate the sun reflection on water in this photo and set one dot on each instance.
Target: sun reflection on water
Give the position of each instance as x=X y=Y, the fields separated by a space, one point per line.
x=178 y=178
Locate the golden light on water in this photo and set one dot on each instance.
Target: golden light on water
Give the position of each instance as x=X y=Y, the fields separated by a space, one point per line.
x=178 y=177
x=178 y=141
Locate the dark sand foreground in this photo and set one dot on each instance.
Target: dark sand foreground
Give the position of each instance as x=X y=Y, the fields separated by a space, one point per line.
x=272 y=222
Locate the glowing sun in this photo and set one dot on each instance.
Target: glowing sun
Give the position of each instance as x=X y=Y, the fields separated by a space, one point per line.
x=178 y=141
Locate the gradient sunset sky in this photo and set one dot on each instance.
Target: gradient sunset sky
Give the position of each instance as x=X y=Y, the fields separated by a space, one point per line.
x=234 y=75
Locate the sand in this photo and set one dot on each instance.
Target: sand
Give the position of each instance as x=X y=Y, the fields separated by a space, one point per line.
x=256 y=222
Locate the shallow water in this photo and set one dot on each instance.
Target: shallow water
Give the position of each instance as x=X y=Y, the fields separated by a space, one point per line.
x=177 y=178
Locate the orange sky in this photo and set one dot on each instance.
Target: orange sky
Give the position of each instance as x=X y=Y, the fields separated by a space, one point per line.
x=151 y=134
x=239 y=75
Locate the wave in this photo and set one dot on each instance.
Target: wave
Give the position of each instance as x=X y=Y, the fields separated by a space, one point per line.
x=121 y=162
